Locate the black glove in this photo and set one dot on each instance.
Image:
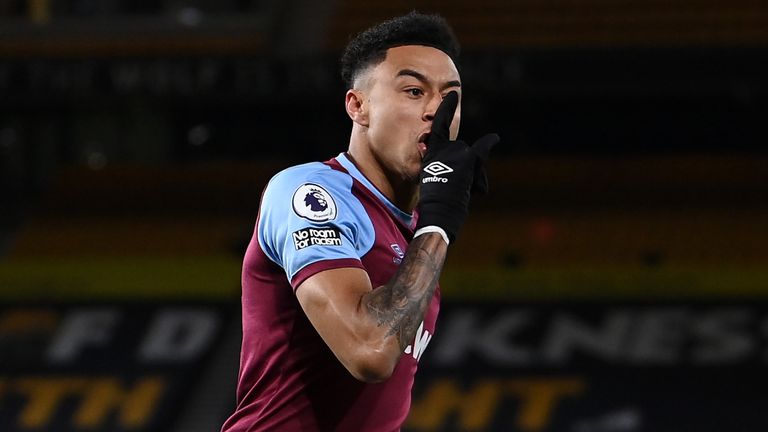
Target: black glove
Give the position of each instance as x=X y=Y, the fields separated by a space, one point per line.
x=450 y=170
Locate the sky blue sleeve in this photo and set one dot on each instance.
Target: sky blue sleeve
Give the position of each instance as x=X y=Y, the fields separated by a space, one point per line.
x=309 y=214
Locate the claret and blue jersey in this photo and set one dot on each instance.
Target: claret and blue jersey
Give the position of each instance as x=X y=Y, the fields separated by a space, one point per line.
x=315 y=217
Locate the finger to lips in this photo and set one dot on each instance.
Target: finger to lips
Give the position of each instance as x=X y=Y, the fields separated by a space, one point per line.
x=441 y=124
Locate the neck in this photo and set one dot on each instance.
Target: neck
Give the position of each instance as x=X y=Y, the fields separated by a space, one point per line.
x=401 y=192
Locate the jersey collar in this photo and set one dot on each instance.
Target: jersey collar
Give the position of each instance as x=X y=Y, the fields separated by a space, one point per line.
x=344 y=161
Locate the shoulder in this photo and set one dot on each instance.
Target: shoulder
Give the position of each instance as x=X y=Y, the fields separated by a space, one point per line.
x=314 y=193
x=309 y=213
x=304 y=180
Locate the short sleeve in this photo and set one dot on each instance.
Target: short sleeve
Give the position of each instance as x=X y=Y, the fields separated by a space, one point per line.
x=311 y=221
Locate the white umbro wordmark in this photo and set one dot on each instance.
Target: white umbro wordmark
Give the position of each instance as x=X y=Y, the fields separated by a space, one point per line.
x=437 y=168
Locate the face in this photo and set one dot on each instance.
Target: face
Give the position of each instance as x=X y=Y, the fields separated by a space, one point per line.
x=399 y=98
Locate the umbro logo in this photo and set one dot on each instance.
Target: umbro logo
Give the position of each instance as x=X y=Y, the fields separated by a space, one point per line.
x=437 y=168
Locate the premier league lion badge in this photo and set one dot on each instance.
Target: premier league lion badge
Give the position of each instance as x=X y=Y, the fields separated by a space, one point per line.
x=314 y=203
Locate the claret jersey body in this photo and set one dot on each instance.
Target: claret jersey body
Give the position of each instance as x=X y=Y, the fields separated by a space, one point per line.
x=315 y=217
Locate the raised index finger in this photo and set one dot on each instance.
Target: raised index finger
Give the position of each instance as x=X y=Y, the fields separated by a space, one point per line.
x=441 y=124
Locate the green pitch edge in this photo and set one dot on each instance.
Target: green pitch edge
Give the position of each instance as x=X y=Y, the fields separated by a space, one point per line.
x=607 y=282
x=213 y=277
x=218 y=277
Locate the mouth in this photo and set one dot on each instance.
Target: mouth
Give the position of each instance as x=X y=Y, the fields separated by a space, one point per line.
x=422 y=142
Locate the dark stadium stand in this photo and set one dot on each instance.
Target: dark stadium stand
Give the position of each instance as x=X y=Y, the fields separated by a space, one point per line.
x=673 y=212
x=500 y=25
x=614 y=279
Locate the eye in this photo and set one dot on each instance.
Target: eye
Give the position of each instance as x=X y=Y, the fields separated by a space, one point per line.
x=415 y=92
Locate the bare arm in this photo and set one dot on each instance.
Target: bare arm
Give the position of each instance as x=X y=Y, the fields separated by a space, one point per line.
x=368 y=329
x=399 y=305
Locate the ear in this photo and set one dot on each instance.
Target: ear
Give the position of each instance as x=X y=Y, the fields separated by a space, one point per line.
x=357 y=108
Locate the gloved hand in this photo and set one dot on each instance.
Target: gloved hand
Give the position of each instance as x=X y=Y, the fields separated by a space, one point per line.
x=450 y=171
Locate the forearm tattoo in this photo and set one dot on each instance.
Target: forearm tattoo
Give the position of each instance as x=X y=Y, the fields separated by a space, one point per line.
x=400 y=304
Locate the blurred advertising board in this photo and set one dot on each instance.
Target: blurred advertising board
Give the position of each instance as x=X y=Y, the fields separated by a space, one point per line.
x=595 y=367
x=103 y=367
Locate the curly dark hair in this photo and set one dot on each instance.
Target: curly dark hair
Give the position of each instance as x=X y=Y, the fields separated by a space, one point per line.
x=370 y=46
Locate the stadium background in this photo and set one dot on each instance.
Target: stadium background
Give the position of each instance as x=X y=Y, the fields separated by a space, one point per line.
x=613 y=280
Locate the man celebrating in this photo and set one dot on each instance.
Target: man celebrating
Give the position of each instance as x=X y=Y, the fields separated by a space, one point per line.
x=340 y=293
